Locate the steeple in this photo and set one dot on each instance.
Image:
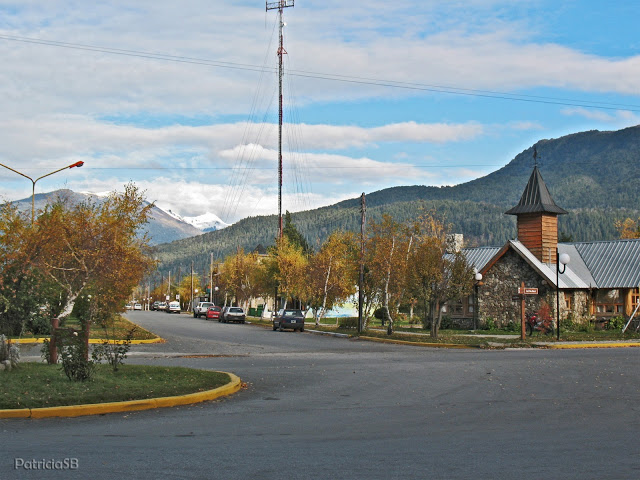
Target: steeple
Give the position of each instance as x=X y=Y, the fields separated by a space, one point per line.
x=538 y=218
x=536 y=198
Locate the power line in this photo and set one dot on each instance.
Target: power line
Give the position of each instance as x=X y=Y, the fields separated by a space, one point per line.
x=571 y=102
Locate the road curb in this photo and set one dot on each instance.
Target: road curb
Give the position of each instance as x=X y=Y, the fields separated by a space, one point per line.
x=420 y=344
x=233 y=386
x=591 y=345
x=91 y=340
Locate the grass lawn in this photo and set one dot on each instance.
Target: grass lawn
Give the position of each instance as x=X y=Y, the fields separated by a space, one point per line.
x=480 y=338
x=117 y=331
x=34 y=385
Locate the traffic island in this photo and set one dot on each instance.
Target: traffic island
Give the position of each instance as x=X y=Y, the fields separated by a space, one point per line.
x=30 y=387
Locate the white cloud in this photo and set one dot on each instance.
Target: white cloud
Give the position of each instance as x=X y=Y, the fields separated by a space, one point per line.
x=618 y=117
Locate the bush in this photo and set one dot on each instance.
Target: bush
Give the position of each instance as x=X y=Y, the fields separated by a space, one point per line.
x=114 y=353
x=350 y=323
x=617 y=323
x=490 y=324
x=73 y=354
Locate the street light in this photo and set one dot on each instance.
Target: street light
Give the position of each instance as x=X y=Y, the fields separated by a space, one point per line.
x=478 y=278
x=33 y=182
x=563 y=260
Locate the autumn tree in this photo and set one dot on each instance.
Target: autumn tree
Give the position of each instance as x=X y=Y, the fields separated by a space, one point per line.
x=434 y=276
x=286 y=266
x=388 y=248
x=238 y=276
x=333 y=273
x=24 y=289
x=93 y=248
x=628 y=228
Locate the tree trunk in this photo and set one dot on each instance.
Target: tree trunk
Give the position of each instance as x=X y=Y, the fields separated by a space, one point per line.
x=324 y=297
x=386 y=290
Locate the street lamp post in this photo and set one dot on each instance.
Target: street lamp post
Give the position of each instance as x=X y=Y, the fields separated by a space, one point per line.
x=478 y=278
x=563 y=260
x=33 y=182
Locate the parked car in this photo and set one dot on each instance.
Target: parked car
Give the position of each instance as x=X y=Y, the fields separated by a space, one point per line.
x=233 y=314
x=137 y=306
x=155 y=305
x=162 y=306
x=128 y=306
x=200 y=310
x=173 y=307
x=213 y=313
x=289 y=318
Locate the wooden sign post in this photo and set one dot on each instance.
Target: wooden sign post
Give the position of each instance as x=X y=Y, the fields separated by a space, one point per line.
x=522 y=292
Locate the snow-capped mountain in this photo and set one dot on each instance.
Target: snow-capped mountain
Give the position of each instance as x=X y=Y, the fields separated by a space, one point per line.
x=208 y=222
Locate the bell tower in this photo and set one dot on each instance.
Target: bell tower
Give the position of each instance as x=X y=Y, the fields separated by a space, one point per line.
x=537 y=217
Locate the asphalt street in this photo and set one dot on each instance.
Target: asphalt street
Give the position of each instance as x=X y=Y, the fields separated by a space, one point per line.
x=319 y=407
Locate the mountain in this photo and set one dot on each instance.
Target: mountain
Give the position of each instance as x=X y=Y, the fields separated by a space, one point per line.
x=594 y=175
x=208 y=222
x=162 y=226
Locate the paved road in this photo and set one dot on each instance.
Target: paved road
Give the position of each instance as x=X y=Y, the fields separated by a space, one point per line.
x=321 y=407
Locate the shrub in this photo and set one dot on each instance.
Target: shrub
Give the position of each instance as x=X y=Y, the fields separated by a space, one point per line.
x=350 y=323
x=617 y=323
x=113 y=352
x=73 y=355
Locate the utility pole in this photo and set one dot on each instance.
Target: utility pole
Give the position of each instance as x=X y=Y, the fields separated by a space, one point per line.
x=280 y=5
x=363 y=210
x=211 y=279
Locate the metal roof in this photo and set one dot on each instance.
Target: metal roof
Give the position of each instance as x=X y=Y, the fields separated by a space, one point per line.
x=613 y=264
x=536 y=198
x=480 y=256
x=609 y=264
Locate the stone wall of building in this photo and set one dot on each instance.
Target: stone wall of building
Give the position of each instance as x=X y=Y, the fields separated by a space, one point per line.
x=501 y=283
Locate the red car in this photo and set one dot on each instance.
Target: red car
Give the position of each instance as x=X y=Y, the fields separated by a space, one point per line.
x=213 y=313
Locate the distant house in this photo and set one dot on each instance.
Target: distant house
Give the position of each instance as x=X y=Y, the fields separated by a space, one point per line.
x=601 y=280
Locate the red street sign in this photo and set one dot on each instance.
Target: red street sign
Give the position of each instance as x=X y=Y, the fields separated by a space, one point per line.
x=528 y=291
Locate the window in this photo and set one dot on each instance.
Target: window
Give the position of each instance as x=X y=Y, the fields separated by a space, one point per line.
x=568 y=299
x=635 y=297
x=609 y=302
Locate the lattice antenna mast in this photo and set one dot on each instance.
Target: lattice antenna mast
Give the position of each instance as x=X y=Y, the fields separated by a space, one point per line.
x=280 y=5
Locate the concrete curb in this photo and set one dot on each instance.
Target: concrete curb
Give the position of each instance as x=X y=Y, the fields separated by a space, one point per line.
x=233 y=386
x=591 y=345
x=419 y=344
x=331 y=334
x=91 y=340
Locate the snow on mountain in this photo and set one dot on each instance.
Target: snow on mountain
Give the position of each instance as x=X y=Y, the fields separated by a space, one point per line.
x=207 y=222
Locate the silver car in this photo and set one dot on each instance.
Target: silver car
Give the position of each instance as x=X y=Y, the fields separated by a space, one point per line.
x=233 y=314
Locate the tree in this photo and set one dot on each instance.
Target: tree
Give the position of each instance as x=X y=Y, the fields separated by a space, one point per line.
x=92 y=249
x=290 y=231
x=23 y=288
x=628 y=228
x=238 y=276
x=435 y=277
x=333 y=272
x=388 y=249
x=286 y=267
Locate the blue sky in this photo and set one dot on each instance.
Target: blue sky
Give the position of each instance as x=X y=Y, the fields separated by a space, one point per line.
x=377 y=94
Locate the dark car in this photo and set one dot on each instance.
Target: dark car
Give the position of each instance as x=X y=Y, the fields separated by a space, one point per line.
x=155 y=305
x=233 y=314
x=289 y=318
x=213 y=313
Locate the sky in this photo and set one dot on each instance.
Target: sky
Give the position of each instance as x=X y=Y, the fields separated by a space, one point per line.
x=181 y=98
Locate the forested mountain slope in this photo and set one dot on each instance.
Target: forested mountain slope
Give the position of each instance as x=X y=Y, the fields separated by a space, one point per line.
x=594 y=175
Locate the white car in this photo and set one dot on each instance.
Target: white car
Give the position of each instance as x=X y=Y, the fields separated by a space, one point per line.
x=137 y=306
x=173 y=307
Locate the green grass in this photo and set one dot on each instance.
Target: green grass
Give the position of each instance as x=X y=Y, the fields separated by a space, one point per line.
x=117 y=331
x=34 y=385
x=408 y=333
